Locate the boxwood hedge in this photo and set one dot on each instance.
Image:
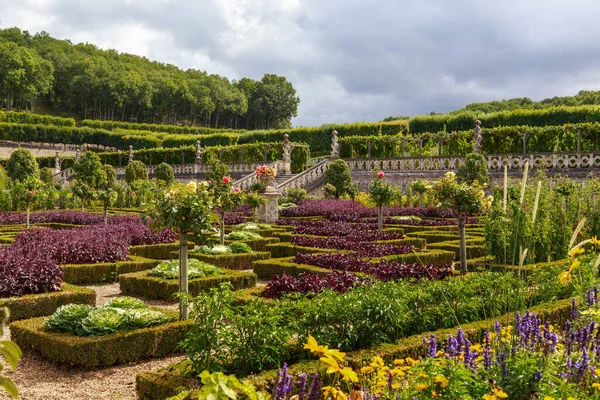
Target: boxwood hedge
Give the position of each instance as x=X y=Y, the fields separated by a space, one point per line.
x=105 y=272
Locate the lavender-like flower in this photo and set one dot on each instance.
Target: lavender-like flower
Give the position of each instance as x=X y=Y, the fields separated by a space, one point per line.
x=302 y=386
x=315 y=388
x=486 y=351
x=590 y=298
x=537 y=376
x=573 y=308
x=283 y=385
x=453 y=347
x=432 y=350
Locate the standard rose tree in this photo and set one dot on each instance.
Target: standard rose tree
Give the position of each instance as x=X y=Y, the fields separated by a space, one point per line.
x=381 y=193
x=185 y=209
x=227 y=199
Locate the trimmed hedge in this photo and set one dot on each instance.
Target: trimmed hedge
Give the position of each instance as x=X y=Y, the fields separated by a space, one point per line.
x=256 y=244
x=417 y=242
x=427 y=256
x=163 y=251
x=102 y=351
x=265 y=269
x=151 y=287
x=38 y=305
x=105 y=272
x=171 y=380
x=232 y=261
x=488 y=264
x=290 y=250
x=29 y=118
x=475 y=247
x=114 y=125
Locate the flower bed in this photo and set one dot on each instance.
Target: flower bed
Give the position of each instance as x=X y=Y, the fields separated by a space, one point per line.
x=256 y=244
x=309 y=283
x=38 y=305
x=92 y=352
x=83 y=274
x=160 y=251
x=150 y=287
x=363 y=249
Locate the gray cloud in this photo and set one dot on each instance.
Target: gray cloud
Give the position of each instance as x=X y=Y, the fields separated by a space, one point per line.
x=350 y=60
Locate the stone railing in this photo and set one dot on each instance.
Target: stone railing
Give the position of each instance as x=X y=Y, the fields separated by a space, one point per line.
x=64 y=175
x=252 y=178
x=405 y=164
x=195 y=169
x=308 y=179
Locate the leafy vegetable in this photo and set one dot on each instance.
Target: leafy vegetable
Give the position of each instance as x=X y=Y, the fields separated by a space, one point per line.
x=241 y=235
x=239 y=248
x=126 y=302
x=234 y=248
x=252 y=226
x=196 y=269
x=68 y=318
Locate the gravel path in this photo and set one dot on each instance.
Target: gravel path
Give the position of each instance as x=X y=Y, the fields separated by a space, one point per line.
x=39 y=380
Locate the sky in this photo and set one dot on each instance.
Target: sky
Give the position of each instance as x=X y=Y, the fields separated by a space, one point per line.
x=350 y=60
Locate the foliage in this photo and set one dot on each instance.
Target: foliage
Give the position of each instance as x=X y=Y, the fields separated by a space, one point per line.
x=338 y=175
x=47 y=176
x=164 y=172
x=297 y=195
x=196 y=269
x=252 y=226
x=233 y=248
x=21 y=165
x=242 y=235
x=381 y=192
x=217 y=386
x=135 y=171
x=462 y=197
x=118 y=315
x=311 y=283
x=11 y=353
x=473 y=169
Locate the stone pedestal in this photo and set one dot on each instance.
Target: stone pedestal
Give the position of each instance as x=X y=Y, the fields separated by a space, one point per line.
x=269 y=213
x=286 y=166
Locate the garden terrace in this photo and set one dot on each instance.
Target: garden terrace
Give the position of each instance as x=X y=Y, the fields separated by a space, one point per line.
x=336 y=209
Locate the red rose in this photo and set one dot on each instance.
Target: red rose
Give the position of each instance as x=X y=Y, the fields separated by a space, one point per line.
x=226 y=179
x=380 y=174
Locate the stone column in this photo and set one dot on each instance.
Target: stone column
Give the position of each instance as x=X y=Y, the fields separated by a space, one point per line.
x=269 y=213
x=287 y=155
x=56 y=163
x=130 y=159
x=198 y=159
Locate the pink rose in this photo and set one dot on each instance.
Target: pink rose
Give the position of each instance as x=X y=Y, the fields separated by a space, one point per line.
x=236 y=190
x=380 y=174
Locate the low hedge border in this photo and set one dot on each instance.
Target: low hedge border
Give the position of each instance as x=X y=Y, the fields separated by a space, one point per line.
x=232 y=261
x=285 y=249
x=261 y=232
x=161 y=251
x=488 y=264
x=256 y=244
x=6 y=239
x=105 y=272
x=475 y=247
x=284 y=236
x=171 y=380
x=426 y=256
x=38 y=305
x=408 y=229
x=417 y=242
x=101 y=351
x=151 y=287
x=265 y=269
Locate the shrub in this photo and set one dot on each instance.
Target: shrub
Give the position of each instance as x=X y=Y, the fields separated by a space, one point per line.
x=135 y=171
x=296 y=196
x=196 y=269
x=118 y=315
x=242 y=235
x=28 y=272
x=473 y=169
x=164 y=172
x=21 y=165
x=310 y=283
x=47 y=176
x=363 y=249
x=338 y=175
x=252 y=226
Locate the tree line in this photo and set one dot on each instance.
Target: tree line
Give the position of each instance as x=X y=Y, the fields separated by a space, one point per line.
x=83 y=80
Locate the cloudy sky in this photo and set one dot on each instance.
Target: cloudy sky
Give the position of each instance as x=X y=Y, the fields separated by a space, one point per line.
x=350 y=60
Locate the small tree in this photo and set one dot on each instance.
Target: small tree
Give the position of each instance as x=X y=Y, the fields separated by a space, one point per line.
x=107 y=193
x=474 y=169
x=185 y=209
x=255 y=200
x=338 y=175
x=90 y=177
x=216 y=172
x=465 y=199
x=3 y=178
x=381 y=194
x=22 y=165
x=164 y=172
x=46 y=176
x=25 y=194
x=135 y=171
x=227 y=199
x=420 y=187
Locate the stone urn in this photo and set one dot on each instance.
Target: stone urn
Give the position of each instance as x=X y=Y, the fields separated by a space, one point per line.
x=266 y=180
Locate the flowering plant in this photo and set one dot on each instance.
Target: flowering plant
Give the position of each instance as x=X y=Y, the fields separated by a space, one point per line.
x=265 y=170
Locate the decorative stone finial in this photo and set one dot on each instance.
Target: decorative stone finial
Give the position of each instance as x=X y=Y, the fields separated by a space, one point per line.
x=335 y=146
x=477 y=137
x=130 y=153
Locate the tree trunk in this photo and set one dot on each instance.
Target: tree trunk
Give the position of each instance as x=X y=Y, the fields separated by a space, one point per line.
x=463 y=244
x=420 y=199
x=106 y=213
x=82 y=205
x=380 y=218
x=183 y=275
x=28 y=217
x=222 y=229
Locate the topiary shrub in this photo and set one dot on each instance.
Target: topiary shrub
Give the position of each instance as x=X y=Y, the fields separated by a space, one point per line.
x=22 y=165
x=164 y=172
x=135 y=171
x=47 y=176
x=473 y=169
x=338 y=175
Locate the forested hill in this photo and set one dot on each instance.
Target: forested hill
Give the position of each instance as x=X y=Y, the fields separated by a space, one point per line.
x=87 y=82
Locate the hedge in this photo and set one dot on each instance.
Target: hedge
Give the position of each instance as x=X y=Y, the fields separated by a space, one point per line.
x=29 y=118
x=427 y=256
x=435 y=237
x=175 y=378
x=151 y=287
x=231 y=261
x=475 y=247
x=105 y=272
x=290 y=250
x=488 y=264
x=256 y=244
x=162 y=251
x=541 y=117
x=102 y=351
x=38 y=305
x=265 y=269
x=114 y=125
x=262 y=232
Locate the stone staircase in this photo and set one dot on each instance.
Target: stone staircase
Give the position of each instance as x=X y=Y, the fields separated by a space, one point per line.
x=279 y=179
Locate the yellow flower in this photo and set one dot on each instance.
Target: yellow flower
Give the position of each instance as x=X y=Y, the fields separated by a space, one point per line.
x=422 y=374
x=576 y=251
x=498 y=392
x=366 y=370
x=313 y=346
x=347 y=373
x=481 y=194
x=548 y=398
x=398 y=361
x=411 y=361
x=377 y=362
x=421 y=386
x=442 y=380
x=434 y=393
x=597 y=372
x=191 y=187
x=397 y=372
x=594 y=240
x=565 y=277
x=596 y=385
x=329 y=392
x=489 y=397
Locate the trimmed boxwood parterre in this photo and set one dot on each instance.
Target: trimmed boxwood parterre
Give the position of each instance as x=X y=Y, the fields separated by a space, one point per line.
x=105 y=272
x=259 y=244
x=96 y=352
x=157 y=251
x=150 y=287
x=38 y=305
x=475 y=247
x=177 y=377
x=231 y=261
